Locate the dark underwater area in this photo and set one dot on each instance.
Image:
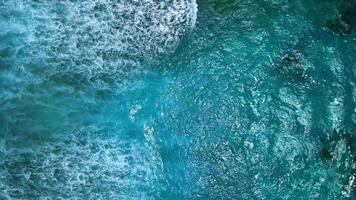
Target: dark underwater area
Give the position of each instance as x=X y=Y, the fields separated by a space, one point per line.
x=110 y=99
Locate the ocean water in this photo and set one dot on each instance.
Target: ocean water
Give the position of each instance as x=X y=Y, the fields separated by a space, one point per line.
x=177 y=99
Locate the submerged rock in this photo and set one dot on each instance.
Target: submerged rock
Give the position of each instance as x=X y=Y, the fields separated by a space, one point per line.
x=339 y=150
x=330 y=143
x=346 y=21
x=340 y=26
x=291 y=65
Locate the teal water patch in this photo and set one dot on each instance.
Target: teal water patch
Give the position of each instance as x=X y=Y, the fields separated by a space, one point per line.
x=257 y=101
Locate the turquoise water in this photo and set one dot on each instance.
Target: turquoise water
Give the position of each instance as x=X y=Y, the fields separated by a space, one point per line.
x=214 y=99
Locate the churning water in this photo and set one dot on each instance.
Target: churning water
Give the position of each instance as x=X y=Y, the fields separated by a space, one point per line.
x=153 y=99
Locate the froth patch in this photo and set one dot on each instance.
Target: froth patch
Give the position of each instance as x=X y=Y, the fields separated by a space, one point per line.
x=85 y=165
x=108 y=36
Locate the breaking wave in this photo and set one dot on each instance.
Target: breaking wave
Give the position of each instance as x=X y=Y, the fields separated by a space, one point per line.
x=102 y=35
x=81 y=166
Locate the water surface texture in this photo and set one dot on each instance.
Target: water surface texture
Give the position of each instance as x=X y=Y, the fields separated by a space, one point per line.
x=177 y=99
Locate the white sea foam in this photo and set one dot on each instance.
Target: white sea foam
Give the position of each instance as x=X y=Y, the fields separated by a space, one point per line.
x=85 y=165
x=106 y=36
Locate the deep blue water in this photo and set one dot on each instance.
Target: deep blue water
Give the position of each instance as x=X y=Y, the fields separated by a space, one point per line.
x=214 y=99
